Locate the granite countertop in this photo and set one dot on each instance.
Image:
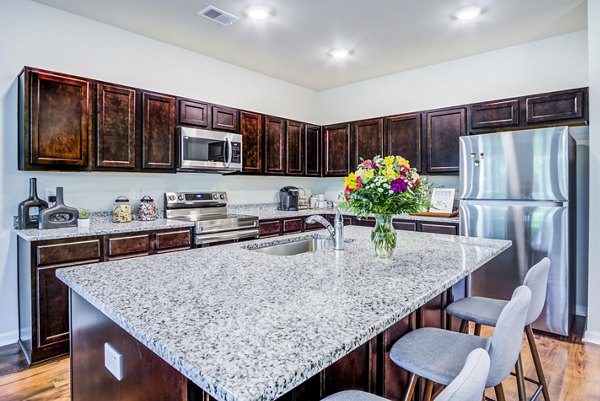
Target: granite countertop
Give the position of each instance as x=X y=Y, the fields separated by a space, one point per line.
x=247 y=326
x=269 y=211
x=100 y=227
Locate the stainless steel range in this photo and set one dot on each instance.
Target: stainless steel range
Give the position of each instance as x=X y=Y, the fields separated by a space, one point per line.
x=208 y=210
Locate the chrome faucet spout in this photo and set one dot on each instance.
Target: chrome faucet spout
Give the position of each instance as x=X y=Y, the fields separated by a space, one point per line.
x=336 y=233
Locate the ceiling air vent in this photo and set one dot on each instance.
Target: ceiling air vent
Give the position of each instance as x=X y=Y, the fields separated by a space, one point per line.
x=218 y=16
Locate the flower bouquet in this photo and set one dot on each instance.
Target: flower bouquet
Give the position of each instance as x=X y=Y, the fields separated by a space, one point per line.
x=384 y=187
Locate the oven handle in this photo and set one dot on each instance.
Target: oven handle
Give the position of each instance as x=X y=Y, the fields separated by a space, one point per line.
x=207 y=239
x=229 y=151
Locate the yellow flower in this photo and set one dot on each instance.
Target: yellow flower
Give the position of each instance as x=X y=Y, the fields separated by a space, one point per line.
x=350 y=181
x=401 y=161
x=390 y=174
x=389 y=160
x=369 y=174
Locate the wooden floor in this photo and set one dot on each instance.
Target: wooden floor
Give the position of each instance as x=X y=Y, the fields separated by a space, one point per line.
x=572 y=371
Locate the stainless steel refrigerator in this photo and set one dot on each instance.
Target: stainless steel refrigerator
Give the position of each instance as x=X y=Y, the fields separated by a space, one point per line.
x=520 y=185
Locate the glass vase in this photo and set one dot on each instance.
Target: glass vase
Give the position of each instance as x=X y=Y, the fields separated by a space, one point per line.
x=383 y=236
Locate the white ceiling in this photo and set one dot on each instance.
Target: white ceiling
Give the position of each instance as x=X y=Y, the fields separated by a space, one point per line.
x=387 y=36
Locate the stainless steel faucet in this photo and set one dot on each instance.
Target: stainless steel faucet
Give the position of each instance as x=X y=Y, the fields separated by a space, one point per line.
x=336 y=231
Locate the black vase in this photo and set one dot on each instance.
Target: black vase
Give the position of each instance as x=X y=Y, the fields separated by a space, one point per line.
x=30 y=209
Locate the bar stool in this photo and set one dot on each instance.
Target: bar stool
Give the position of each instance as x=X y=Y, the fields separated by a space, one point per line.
x=467 y=386
x=485 y=311
x=438 y=355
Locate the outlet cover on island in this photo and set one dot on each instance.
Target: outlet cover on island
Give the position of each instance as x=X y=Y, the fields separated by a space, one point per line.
x=113 y=361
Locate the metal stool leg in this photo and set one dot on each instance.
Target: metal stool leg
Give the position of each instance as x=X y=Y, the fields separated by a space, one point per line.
x=499 y=393
x=428 y=390
x=520 y=379
x=477 y=330
x=410 y=390
x=537 y=362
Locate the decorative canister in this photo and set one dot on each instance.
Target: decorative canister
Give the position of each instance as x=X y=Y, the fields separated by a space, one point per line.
x=121 y=210
x=147 y=209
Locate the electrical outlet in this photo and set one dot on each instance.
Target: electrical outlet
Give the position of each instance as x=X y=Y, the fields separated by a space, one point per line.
x=113 y=361
x=51 y=196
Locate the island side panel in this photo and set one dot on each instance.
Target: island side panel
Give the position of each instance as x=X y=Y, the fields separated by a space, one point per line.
x=146 y=376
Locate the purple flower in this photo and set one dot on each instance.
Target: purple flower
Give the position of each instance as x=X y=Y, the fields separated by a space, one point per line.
x=399 y=185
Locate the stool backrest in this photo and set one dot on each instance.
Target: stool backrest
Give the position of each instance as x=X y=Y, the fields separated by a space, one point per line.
x=537 y=281
x=508 y=335
x=470 y=382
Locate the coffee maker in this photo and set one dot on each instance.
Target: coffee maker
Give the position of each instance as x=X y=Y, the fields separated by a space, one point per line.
x=288 y=198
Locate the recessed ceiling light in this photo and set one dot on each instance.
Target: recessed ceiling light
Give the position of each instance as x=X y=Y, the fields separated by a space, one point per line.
x=339 y=52
x=467 y=13
x=258 y=12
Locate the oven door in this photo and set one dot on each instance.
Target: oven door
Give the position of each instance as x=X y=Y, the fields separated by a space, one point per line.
x=209 y=150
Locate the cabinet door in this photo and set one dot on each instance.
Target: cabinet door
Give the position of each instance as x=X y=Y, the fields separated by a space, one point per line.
x=500 y=114
x=294 y=148
x=274 y=145
x=252 y=133
x=53 y=308
x=127 y=246
x=336 y=150
x=555 y=107
x=444 y=127
x=293 y=225
x=439 y=228
x=405 y=225
x=193 y=113
x=115 y=129
x=367 y=140
x=312 y=150
x=57 y=121
x=269 y=228
x=355 y=371
x=224 y=118
x=403 y=138
x=173 y=241
x=158 y=127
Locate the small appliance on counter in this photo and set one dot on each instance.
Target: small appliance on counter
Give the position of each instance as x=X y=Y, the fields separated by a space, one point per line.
x=59 y=215
x=212 y=223
x=121 y=210
x=288 y=199
x=30 y=209
x=147 y=210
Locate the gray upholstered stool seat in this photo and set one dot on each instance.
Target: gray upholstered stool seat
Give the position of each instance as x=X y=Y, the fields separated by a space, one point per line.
x=484 y=311
x=354 y=395
x=435 y=354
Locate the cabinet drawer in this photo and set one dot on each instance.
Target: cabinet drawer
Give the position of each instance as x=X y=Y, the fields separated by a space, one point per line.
x=368 y=222
x=69 y=253
x=312 y=226
x=555 y=107
x=405 y=225
x=173 y=240
x=292 y=225
x=439 y=229
x=224 y=118
x=193 y=113
x=132 y=245
x=269 y=228
x=501 y=114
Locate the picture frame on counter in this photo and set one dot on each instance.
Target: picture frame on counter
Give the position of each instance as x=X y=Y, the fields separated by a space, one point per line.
x=442 y=200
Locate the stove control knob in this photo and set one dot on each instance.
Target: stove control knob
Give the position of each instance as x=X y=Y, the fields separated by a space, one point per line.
x=215 y=196
x=172 y=198
x=181 y=197
x=222 y=196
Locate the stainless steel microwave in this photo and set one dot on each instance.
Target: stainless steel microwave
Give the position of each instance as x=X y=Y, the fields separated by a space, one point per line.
x=209 y=150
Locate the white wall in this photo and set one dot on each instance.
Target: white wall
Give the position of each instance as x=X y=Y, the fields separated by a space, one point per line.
x=593 y=323
x=551 y=64
x=35 y=35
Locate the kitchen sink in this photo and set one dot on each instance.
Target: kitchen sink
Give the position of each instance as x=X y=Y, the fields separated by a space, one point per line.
x=301 y=245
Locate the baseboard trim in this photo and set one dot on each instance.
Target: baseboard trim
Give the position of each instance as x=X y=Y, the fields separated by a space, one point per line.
x=592 y=337
x=581 y=310
x=9 y=337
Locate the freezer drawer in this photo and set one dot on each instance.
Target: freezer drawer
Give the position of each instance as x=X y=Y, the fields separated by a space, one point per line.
x=537 y=229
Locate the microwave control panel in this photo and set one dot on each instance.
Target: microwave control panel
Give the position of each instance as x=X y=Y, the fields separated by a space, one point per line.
x=236 y=152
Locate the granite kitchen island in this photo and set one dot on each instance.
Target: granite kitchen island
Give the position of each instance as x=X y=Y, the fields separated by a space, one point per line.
x=240 y=325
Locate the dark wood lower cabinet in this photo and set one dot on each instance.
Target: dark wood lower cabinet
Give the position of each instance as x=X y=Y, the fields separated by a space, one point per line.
x=43 y=298
x=148 y=377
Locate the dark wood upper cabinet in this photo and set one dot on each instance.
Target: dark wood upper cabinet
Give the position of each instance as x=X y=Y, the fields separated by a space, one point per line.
x=556 y=107
x=158 y=131
x=55 y=121
x=312 y=150
x=403 y=138
x=367 y=140
x=294 y=148
x=115 y=126
x=500 y=114
x=443 y=129
x=224 y=118
x=336 y=150
x=274 y=145
x=252 y=133
x=193 y=113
